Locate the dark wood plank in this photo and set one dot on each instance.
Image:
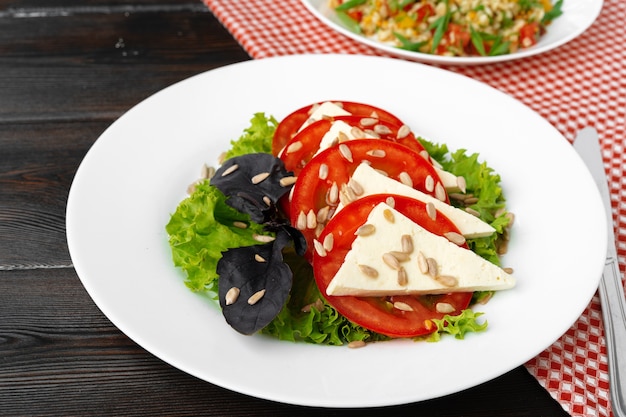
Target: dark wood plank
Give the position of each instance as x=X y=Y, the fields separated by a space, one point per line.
x=95 y=65
x=63 y=357
x=37 y=166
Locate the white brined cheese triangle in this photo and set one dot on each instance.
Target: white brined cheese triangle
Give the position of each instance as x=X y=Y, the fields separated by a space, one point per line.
x=373 y=182
x=454 y=264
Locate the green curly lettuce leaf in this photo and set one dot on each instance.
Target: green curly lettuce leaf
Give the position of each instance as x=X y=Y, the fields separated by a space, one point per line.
x=458 y=326
x=202 y=228
x=255 y=138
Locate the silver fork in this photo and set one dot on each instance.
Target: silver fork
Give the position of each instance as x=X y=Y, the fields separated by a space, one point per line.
x=611 y=289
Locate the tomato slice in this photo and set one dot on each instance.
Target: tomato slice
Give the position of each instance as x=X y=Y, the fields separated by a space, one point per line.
x=306 y=143
x=323 y=182
x=377 y=313
x=290 y=125
x=529 y=34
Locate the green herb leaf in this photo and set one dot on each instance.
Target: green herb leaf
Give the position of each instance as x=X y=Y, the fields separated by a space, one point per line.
x=553 y=13
x=477 y=41
x=407 y=44
x=349 y=5
x=441 y=26
x=349 y=23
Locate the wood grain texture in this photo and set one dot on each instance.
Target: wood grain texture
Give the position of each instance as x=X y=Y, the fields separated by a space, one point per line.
x=69 y=70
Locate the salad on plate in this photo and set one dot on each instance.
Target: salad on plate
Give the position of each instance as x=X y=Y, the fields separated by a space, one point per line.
x=450 y=27
x=338 y=225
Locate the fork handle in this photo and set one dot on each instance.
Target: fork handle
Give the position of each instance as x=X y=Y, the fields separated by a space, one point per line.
x=614 y=316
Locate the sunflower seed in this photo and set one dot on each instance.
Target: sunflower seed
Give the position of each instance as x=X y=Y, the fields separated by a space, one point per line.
x=259 y=177
x=263 y=238
x=231 y=295
x=376 y=153
x=407 y=243
x=301 y=221
x=368 y=121
x=322 y=214
x=346 y=152
x=402 y=306
x=259 y=258
x=382 y=129
x=447 y=280
x=388 y=215
x=403 y=132
x=287 y=181
x=455 y=238
x=318 y=304
x=444 y=308
x=240 y=225
x=355 y=344
x=472 y=211
x=207 y=172
x=323 y=172
x=311 y=219
x=230 y=170
x=406 y=179
x=432 y=267
x=369 y=271
x=422 y=263
x=365 y=230
x=429 y=184
x=356 y=132
x=400 y=256
x=333 y=194
x=356 y=187
x=267 y=200
x=342 y=137
x=391 y=261
x=254 y=298
x=329 y=242
x=319 y=248
x=294 y=147
x=431 y=211
x=348 y=193
x=403 y=278
x=440 y=192
x=460 y=182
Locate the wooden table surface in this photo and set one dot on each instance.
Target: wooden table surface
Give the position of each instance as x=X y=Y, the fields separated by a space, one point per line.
x=68 y=70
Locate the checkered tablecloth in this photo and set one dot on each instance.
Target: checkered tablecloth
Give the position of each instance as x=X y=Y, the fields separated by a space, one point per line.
x=582 y=83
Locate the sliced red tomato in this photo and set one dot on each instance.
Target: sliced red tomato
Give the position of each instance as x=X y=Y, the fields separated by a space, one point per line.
x=290 y=125
x=378 y=313
x=456 y=37
x=321 y=182
x=529 y=34
x=306 y=143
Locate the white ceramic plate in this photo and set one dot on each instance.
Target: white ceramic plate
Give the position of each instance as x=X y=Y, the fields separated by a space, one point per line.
x=138 y=171
x=577 y=16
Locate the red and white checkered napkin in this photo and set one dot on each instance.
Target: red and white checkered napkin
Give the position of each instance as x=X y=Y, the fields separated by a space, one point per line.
x=580 y=84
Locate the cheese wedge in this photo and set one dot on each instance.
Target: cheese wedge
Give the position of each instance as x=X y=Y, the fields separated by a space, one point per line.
x=454 y=265
x=374 y=182
x=325 y=109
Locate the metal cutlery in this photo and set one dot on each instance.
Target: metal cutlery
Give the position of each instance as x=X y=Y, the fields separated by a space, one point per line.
x=611 y=289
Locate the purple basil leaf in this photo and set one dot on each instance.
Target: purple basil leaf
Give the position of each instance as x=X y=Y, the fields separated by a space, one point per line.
x=252 y=269
x=252 y=181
